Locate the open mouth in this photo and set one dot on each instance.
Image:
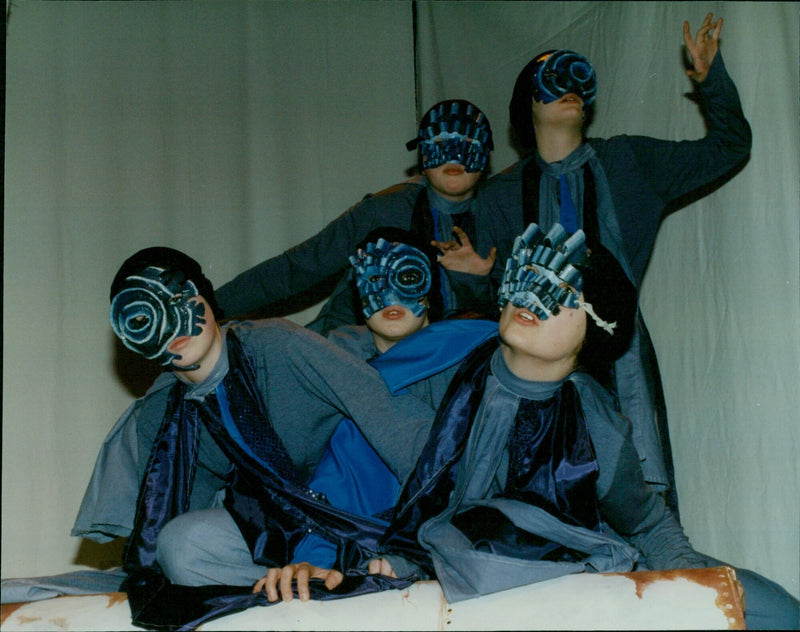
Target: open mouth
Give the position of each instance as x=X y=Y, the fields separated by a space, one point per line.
x=393 y=313
x=525 y=317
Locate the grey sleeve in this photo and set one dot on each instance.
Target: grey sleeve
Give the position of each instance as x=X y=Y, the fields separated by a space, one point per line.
x=342 y=308
x=109 y=502
x=403 y=567
x=396 y=426
x=300 y=267
x=627 y=502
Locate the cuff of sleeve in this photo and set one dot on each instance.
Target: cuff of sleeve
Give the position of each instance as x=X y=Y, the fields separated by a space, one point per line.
x=716 y=72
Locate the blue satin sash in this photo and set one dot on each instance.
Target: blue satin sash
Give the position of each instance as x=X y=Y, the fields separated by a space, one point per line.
x=551 y=465
x=272 y=512
x=351 y=474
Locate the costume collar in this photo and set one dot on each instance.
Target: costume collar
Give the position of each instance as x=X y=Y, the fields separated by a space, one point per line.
x=220 y=370
x=518 y=386
x=575 y=160
x=444 y=205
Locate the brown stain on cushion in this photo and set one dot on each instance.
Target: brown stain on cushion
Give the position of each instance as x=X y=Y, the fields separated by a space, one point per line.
x=721 y=579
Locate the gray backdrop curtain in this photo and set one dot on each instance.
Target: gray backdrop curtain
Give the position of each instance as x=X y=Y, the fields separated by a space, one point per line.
x=234 y=130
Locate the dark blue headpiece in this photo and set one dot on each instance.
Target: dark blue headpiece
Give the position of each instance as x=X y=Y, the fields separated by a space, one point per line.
x=154 y=308
x=153 y=301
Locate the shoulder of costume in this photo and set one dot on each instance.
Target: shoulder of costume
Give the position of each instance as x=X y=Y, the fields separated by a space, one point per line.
x=165 y=380
x=261 y=324
x=262 y=332
x=596 y=398
x=510 y=172
x=412 y=185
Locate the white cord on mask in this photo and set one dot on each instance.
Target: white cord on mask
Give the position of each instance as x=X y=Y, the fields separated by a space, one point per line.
x=605 y=325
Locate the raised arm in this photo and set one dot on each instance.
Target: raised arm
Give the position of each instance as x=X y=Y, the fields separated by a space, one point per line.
x=674 y=168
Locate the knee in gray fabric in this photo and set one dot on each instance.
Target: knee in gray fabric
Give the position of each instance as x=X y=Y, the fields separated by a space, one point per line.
x=179 y=549
x=205 y=547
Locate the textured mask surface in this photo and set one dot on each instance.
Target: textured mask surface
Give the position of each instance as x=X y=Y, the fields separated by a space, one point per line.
x=539 y=275
x=391 y=274
x=154 y=308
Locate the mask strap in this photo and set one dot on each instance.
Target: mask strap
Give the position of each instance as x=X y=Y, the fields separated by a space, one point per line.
x=603 y=324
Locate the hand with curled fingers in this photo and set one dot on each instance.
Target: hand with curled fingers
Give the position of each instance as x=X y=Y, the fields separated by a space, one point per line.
x=280 y=579
x=703 y=47
x=462 y=257
x=380 y=566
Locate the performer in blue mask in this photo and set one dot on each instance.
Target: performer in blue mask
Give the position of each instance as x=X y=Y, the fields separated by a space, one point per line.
x=215 y=459
x=616 y=191
x=454 y=132
x=530 y=472
x=391 y=274
x=453 y=143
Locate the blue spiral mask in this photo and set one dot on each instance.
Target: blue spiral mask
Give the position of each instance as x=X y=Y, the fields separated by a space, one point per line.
x=391 y=274
x=154 y=308
x=561 y=72
x=539 y=274
x=454 y=132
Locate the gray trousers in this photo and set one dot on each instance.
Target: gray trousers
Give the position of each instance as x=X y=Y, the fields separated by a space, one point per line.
x=205 y=547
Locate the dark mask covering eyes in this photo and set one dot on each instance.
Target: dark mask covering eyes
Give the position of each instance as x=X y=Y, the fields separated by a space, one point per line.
x=391 y=274
x=539 y=274
x=154 y=308
x=561 y=72
x=454 y=132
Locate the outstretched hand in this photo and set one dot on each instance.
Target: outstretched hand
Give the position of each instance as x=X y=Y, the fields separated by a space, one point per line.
x=703 y=47
x=281 y=578
x=462 y=257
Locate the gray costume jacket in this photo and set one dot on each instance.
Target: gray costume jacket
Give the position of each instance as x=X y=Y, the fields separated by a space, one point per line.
x=307 y=386
x=637 y=179
x=327 y=253
x=637 y=530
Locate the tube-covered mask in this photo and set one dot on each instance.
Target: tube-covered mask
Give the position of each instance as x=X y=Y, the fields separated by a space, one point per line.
x=152 y=308
x=556 y=73
x=540 y=275
x=454 y=131
x=391 y=274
